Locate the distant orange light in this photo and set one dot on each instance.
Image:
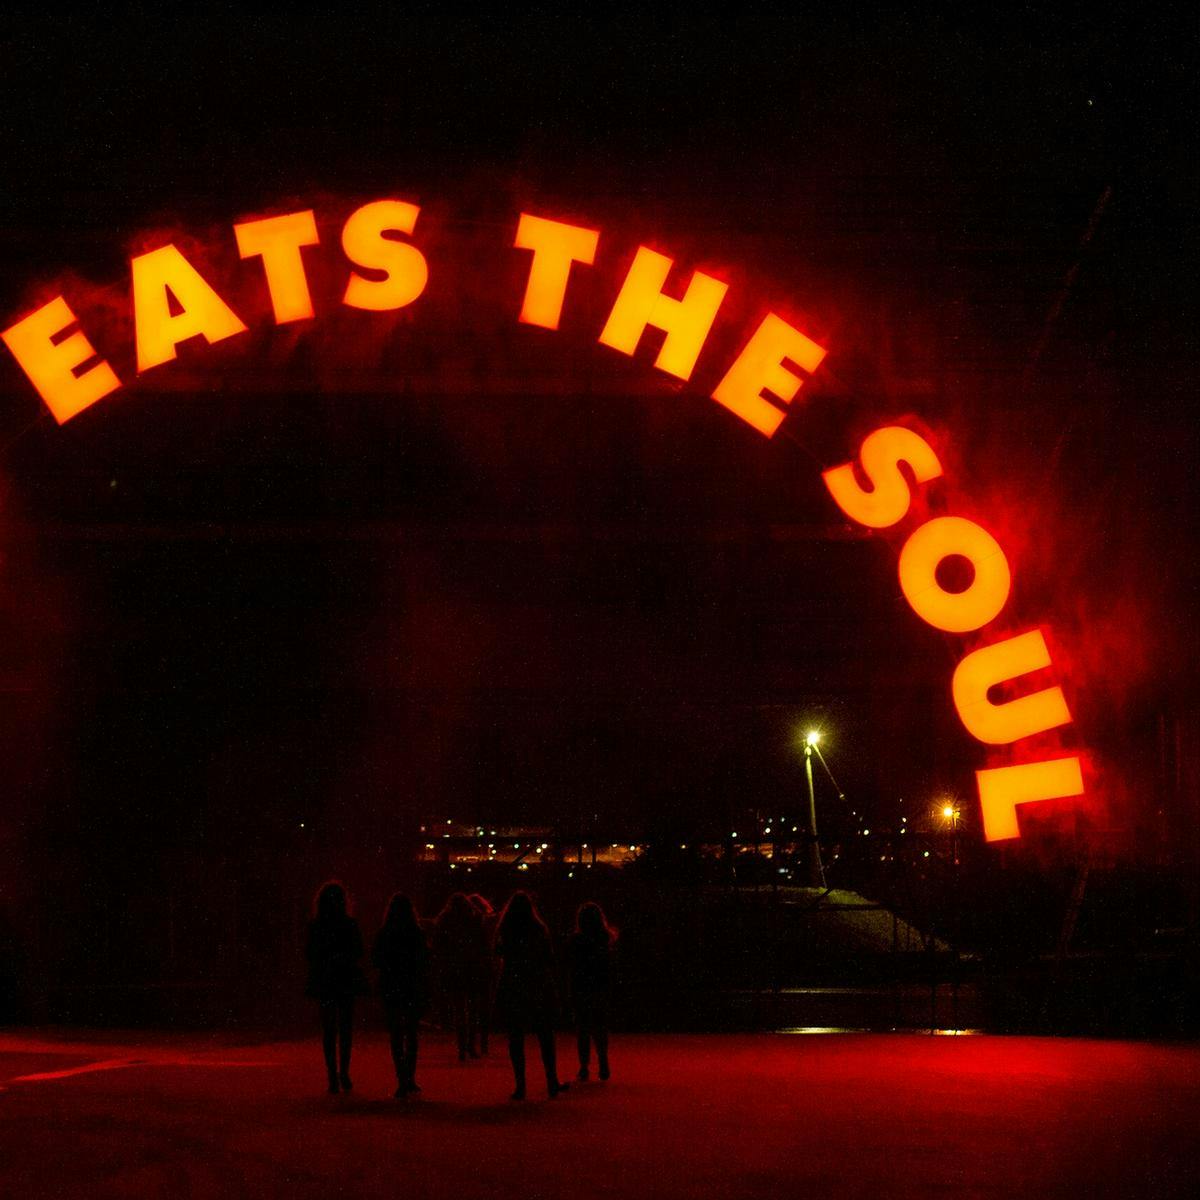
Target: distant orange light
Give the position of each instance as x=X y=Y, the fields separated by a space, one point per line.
x=686 y=322
x=999 y=724
x=955 y=612
x=556 y=248
x=52 y=365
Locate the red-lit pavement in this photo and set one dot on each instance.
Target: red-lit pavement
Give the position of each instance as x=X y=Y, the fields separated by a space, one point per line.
x=690 y=1116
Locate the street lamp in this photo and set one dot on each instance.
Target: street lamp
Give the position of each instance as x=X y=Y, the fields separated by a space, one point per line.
x=951 y=813
x=816 y=872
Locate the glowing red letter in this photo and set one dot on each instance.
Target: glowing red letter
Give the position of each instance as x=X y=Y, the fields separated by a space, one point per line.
x=202 y=310
x=956 y=612
x=759 y=368
x=402 y=264
x=1001 y=789
x=51 y=365
x=278 y=241
x=983 y=669
x=555 y=247
x=881 y=454
x=686 y=322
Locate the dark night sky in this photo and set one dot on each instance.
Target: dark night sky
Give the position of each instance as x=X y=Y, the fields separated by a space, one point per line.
x=536 y=581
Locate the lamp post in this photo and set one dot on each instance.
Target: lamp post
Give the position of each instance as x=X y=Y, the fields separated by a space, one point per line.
x=951 y=812
x=816 y=872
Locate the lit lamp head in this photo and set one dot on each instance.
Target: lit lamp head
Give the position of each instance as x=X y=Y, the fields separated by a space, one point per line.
x=812 y=737
x=947 y=811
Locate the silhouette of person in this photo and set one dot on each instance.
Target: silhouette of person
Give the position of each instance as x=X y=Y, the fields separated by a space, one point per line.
x=485 y=980
x=402 y=957
x=459 y=950
x=525 y=996
x=589 y=958
x=334 y=951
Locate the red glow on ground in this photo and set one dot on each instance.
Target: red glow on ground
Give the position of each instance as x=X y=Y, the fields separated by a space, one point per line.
x=847 y=1115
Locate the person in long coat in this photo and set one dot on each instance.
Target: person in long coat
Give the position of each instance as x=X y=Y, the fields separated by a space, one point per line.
x=589 y=960
x=401 y=956
x=526 y=997
x=334 y=951
x=459 y=950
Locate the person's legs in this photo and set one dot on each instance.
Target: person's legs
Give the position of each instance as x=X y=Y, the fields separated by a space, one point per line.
x=458 y=1002
x=584 y=1044
x=410 y=1059
x=545 y=1037
x=472 y=1017
x=583 y=1040
x=516 y=1054
x=600 y=1036
x=345 y=1013
x=485 y=1017
x=396 y=1038
x=328 y=1013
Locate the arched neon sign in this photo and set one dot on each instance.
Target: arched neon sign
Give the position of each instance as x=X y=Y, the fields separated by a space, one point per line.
x=172 y=302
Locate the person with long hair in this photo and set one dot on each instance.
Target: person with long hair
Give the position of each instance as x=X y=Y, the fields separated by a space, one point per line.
x=458 y=949
x=525 y=997
x=589 y=956
x=402 y=958
x=334 y=951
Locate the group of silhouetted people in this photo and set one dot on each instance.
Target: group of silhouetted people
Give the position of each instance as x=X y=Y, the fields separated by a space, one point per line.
x=479 y=960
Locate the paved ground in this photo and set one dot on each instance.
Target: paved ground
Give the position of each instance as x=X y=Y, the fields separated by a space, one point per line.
x=880 y=1116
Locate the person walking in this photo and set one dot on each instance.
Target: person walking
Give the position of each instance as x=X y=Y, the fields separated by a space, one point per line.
x=589 y=958
x=401 y=956
x=525 y=996
x=458 y=949
x=334 y=950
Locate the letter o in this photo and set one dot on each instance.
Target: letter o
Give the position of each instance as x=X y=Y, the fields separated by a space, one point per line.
x=955 y=612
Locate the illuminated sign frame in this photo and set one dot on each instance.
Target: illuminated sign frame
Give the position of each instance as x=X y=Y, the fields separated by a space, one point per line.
x=172 y=302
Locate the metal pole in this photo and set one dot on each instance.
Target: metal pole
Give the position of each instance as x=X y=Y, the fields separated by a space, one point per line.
x=816 y=872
